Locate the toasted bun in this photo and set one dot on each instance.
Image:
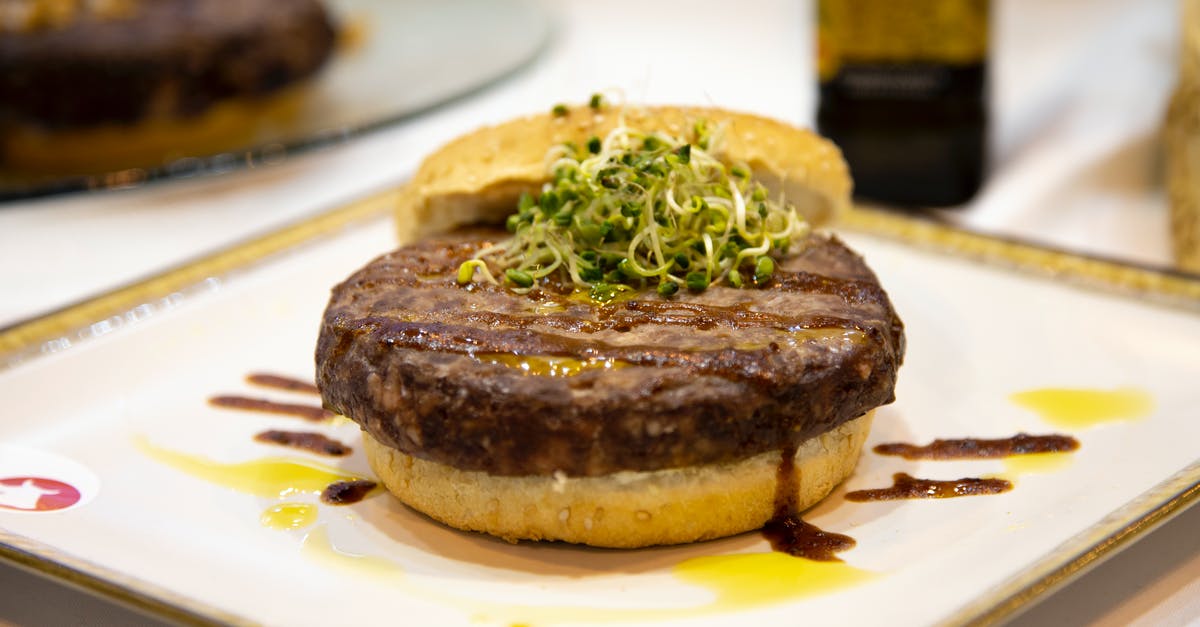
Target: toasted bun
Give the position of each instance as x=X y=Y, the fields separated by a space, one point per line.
x=626 y=509
x=479 y=176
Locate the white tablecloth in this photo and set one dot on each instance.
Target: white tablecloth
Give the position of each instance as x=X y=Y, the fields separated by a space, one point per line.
x=1078 y=91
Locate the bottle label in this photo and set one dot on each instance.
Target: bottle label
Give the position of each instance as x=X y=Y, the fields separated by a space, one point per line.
x=899 y=50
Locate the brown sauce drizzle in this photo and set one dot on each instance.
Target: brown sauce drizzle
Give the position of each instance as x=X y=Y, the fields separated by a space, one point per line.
x=786 y=532
x=312 y=413
x=975 y=448
x=905 y=486
x=789 y=534
x=280 y=382
x=346 y=492
x=305 y=440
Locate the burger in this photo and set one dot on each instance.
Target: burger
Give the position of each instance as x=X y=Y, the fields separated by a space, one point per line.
x=97 y=85
x=646 y=343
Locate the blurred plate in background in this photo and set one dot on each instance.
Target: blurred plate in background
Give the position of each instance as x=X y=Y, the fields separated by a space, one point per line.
x=396 y=59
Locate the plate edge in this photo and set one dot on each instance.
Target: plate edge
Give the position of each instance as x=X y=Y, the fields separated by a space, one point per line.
x=109 y=584
x=28 y=339
x=1161 y=286
x=1074 y=557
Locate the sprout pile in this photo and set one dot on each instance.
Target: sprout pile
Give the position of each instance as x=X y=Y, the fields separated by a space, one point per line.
x=634 y=210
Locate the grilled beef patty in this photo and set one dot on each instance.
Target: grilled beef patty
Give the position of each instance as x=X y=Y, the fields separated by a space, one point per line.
x=438 y=370
x=167 y=58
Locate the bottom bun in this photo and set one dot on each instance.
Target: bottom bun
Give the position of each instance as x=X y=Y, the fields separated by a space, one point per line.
x=628 y=509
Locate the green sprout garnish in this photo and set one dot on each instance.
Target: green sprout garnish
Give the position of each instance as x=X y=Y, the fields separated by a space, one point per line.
x=519 y=278
x=636 y=210
x=560 y=110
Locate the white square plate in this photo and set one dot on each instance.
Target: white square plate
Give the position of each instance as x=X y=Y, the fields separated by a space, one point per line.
x=126 y=410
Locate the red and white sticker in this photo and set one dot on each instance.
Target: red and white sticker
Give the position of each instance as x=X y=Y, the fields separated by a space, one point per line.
x=34 y=481
x=37 y=494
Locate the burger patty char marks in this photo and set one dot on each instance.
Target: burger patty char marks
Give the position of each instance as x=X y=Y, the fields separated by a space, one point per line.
x=703 y=378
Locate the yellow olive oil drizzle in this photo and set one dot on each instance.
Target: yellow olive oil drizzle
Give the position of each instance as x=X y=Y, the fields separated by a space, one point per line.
x=285 y=516
x=549 y=365
x=736 y=582
x=270 y=477
x=751 y=579
x=613 y=297
x=1083 y=407
x=318 y=547
x=1037 y=463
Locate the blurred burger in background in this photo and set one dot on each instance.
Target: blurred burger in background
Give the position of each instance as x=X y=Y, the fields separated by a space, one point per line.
x=96 y=85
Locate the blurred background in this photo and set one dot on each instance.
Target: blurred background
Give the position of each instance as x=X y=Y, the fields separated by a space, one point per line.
x=1072 y=120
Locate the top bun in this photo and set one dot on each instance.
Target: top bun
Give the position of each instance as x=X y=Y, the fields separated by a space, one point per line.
x=479 y=176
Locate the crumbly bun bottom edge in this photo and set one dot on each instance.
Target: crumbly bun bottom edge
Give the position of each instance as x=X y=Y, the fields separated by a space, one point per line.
x=627 y=509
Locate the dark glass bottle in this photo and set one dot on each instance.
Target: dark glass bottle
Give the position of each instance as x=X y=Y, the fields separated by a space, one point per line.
x=903 y=92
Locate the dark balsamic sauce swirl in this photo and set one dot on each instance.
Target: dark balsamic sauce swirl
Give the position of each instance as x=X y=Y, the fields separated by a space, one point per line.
x=312 y=413
x=346 y=492
x=905 y=486
x=978 y=448
x=280 y=382
x=305 y=440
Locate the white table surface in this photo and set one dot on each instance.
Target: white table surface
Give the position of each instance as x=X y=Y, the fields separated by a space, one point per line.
x=1078 y=92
